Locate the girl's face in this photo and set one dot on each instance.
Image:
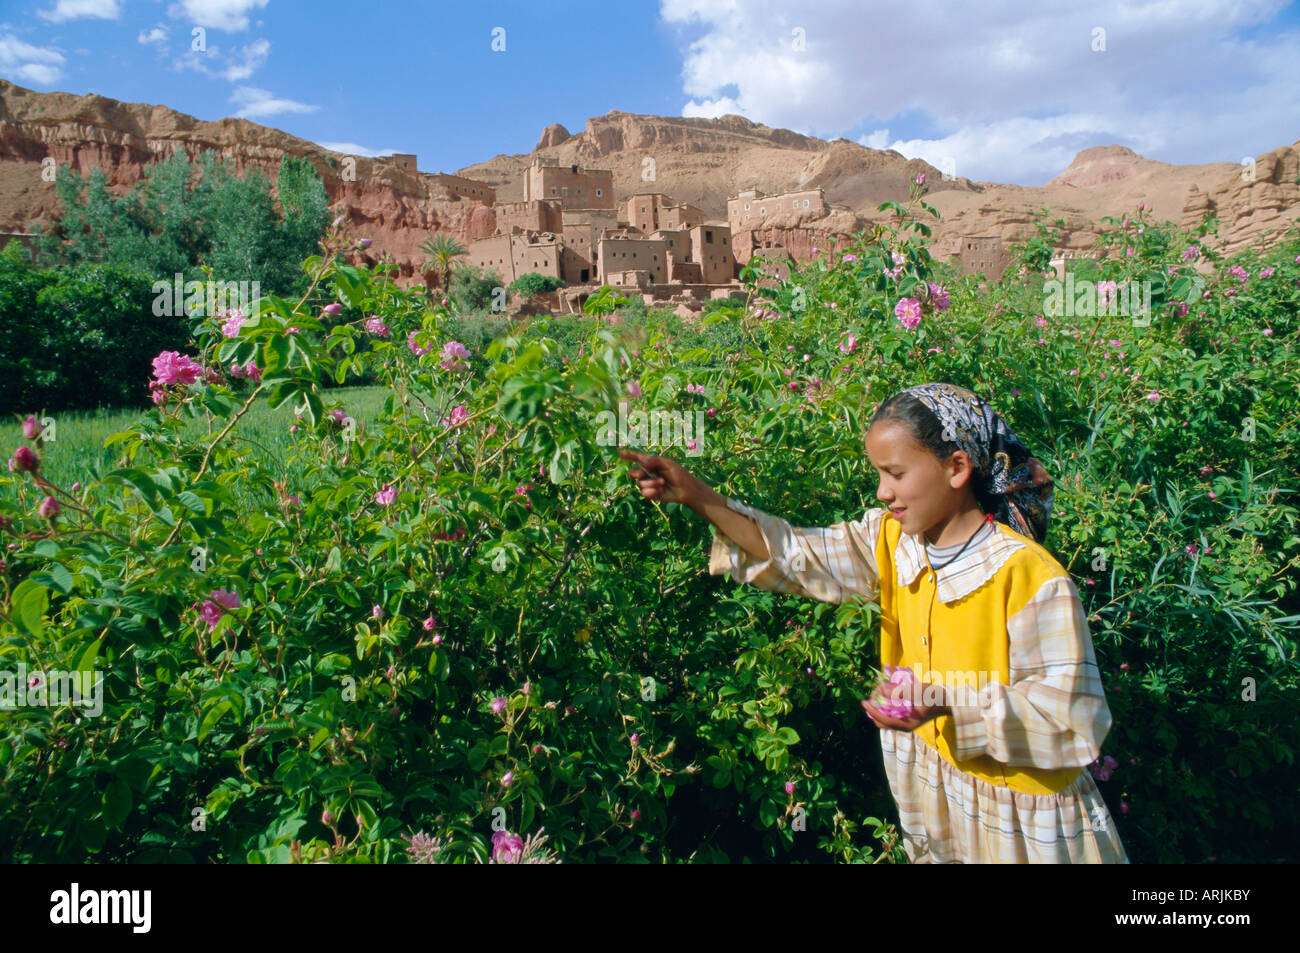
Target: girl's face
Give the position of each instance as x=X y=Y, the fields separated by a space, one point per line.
x=914 y=484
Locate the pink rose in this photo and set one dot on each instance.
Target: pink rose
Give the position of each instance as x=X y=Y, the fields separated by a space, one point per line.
x=215 y=605
x=938 y=297
x=452 y=351
x=507 y=848
x=901 y=708
x=415 y=348
x=172 y=367
x=908 y=312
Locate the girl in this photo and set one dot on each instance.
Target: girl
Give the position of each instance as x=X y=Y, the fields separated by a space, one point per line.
x=986 y=737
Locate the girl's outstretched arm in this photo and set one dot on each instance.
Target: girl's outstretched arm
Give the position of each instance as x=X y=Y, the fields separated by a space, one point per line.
x=1053 y=714
x=831 y=564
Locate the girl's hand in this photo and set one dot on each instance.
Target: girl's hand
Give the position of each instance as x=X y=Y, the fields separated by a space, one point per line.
x=661 y=478
x=904 y=703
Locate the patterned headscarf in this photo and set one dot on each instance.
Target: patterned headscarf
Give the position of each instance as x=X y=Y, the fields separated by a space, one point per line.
x=1007 y=478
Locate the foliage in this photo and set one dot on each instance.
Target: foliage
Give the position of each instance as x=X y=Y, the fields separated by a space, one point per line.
x=518 y=640
x=79 y=336
x=532 y=283
x=471 y=291
x=603 y=300
x=168 y=223
x=442 y=250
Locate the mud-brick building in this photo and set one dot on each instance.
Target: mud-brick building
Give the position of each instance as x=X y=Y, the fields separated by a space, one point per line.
x=573 y=187
x=518 y=254
x=651 y=211
x=752 y=208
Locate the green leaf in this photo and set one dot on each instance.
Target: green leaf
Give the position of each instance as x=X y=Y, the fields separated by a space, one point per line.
x=213 y=715
x=117 y=804
x=86 y=662
x=30 y=602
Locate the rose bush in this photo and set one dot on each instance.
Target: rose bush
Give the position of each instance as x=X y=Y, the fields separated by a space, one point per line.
x=412 y=634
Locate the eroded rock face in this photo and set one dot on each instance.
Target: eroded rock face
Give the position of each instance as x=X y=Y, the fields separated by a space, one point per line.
x=699 y=161
x=396 y=209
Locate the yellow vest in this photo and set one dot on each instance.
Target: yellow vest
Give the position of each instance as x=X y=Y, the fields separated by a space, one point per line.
x=939 y=629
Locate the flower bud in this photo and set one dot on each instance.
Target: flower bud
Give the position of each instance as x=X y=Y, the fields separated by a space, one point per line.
x=332 y=308
x=636 y=740
x=49 y=507
x=365 y=243
x=789 y=787
x=31 y=429
x=25 y=459
x=327 y=818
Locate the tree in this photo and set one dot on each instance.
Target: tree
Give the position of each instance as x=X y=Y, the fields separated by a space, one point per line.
x=532 y=283
x=473 y=292
x=179 y=218
x=442 y=249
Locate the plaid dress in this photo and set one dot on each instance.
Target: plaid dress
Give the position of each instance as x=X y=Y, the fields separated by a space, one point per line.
x=1001 y=779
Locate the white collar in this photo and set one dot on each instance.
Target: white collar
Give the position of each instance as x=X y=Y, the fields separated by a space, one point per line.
x=963 y=575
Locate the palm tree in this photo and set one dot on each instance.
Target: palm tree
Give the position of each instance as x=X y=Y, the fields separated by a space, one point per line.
x=441 y=249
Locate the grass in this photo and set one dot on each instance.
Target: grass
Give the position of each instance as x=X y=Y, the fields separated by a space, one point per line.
x=78 y=454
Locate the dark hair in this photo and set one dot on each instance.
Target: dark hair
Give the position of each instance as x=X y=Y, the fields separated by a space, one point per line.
x=926 y=429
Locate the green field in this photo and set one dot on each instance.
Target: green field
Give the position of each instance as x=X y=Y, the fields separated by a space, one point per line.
x=78 y=454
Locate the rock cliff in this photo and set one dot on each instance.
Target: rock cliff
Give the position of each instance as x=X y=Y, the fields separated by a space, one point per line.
x=701 y=161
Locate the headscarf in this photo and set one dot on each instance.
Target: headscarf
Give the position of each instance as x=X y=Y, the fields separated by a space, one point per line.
x=1009 y=482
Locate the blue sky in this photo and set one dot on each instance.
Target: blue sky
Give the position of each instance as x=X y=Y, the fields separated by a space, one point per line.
x=1007 y=91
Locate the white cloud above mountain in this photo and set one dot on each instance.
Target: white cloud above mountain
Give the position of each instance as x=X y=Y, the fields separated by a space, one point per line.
x=1010 y=91
x=26 y=63
x=259 y=104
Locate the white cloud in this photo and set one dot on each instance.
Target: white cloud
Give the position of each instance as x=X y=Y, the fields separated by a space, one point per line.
x=259 y=104
x=352 y=149
x=40 y=65
x=65 y=10
x=712 y=108
x=157 y=36
x=1011 y=90
x=876 y=140
x=228 y=15
x=250 y=58
x=233 y=67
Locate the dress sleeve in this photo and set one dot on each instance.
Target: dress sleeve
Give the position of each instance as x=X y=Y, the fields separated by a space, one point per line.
x=830 y=564
x=1053 y=714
